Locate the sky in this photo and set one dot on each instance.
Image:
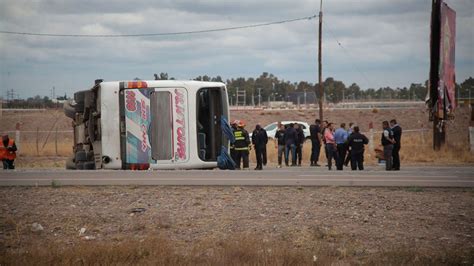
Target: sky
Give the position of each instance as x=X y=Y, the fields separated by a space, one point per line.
x=374 y=43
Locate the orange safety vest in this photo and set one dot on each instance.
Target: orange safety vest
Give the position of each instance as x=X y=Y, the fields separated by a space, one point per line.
x=6 y=154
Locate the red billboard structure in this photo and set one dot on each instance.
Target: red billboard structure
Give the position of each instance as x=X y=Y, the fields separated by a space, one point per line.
x=442 y=82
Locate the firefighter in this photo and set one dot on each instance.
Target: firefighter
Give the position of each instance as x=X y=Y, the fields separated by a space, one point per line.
x=241 y=145
x=8 y=152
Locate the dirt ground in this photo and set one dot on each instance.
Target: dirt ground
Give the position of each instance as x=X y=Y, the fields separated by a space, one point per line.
x=358 y=221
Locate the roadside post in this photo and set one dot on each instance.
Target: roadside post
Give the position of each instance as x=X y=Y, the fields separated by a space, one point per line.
x=17 y=137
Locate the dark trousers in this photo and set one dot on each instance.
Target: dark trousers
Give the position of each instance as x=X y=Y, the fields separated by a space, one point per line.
x=348 y=158
x=326 y=153
x=259 y=156
x=290 y=148
x=8 y=164
x=315 y=150
x=264 y=155
x=233 y=155
x=396 y=157
x=341 y=152
x=332 y=154
x=299 y=153
x=242 y=155
x=281 y=153
x=357 y=161
x=387 y=154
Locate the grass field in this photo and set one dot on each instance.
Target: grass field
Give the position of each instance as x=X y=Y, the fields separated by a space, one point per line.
x=244 y=250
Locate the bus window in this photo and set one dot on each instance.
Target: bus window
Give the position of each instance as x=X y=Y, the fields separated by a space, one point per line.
x=209 y=112
x=161 y=126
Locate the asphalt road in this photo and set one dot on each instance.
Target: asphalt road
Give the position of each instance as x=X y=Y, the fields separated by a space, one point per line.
x=428 y=176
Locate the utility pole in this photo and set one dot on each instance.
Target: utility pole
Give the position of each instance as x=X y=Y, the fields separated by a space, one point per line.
x=320 y=71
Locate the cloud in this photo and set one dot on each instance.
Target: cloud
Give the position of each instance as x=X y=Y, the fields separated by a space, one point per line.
x=371 y=42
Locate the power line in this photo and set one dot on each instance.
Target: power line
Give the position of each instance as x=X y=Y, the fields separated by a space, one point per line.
x=349 y=55
x=157 y=34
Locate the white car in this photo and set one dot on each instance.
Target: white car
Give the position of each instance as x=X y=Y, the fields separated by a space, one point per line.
x=273 y=127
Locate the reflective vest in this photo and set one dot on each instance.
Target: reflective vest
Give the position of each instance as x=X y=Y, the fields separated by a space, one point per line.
x=6 y=154
x=240 y=143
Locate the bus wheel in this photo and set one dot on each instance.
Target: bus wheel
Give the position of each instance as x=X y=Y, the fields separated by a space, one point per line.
x=81 y=156
x=80 y=165
x=70 y=165
x=69 y=110
x=89 y=165
x=79 y=98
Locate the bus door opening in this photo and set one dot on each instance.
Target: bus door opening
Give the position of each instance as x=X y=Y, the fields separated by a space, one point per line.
x=209 y=112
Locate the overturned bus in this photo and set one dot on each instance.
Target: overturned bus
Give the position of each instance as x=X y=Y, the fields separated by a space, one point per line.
x=157 y=124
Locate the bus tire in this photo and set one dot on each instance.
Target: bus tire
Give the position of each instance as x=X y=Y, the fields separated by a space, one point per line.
x=79 y=98
x=70 y=165
x=80 y=165
x=89 y=165
x=81 y=156
x=69 y=110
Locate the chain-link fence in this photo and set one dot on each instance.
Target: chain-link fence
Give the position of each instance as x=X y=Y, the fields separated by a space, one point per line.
x=43 y=143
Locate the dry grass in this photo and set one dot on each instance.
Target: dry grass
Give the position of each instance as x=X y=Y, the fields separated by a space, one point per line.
x=416 y=149
x=63 y=148
x=243 y=250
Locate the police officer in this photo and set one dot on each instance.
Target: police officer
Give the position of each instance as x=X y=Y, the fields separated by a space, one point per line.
x=387 y=143
x=299 y=143
x=397 y=135
x=259 y=140
x=241 y=145
x=356 y=142
x=8 y=152
x=315 y=135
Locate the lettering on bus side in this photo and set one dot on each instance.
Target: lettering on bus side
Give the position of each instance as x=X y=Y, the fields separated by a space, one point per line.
x=130 y=101
x=181 y=124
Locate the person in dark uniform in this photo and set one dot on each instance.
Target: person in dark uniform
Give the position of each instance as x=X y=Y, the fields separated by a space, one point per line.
x=280 y=144
x=299 y=143
x=241 y=145
x=291 y=138
x=356 y=142
x=8 y=152
x=397 y=135
x=315 y=136
x=259 y=141
x=387 y=143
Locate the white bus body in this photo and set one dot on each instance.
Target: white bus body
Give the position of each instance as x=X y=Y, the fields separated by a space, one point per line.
x=157 y=124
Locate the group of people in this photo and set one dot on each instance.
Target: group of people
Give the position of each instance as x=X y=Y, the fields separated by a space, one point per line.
x=240 y=149
x=341 y=145
x=346 y=146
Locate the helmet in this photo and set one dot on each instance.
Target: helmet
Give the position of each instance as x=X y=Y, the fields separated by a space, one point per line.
x=234 y=122
x=241 y=123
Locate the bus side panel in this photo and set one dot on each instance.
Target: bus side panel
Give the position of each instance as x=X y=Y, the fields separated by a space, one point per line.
x=110 y=124
x=181 y=125
x=137 y=124
x=177 y=123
